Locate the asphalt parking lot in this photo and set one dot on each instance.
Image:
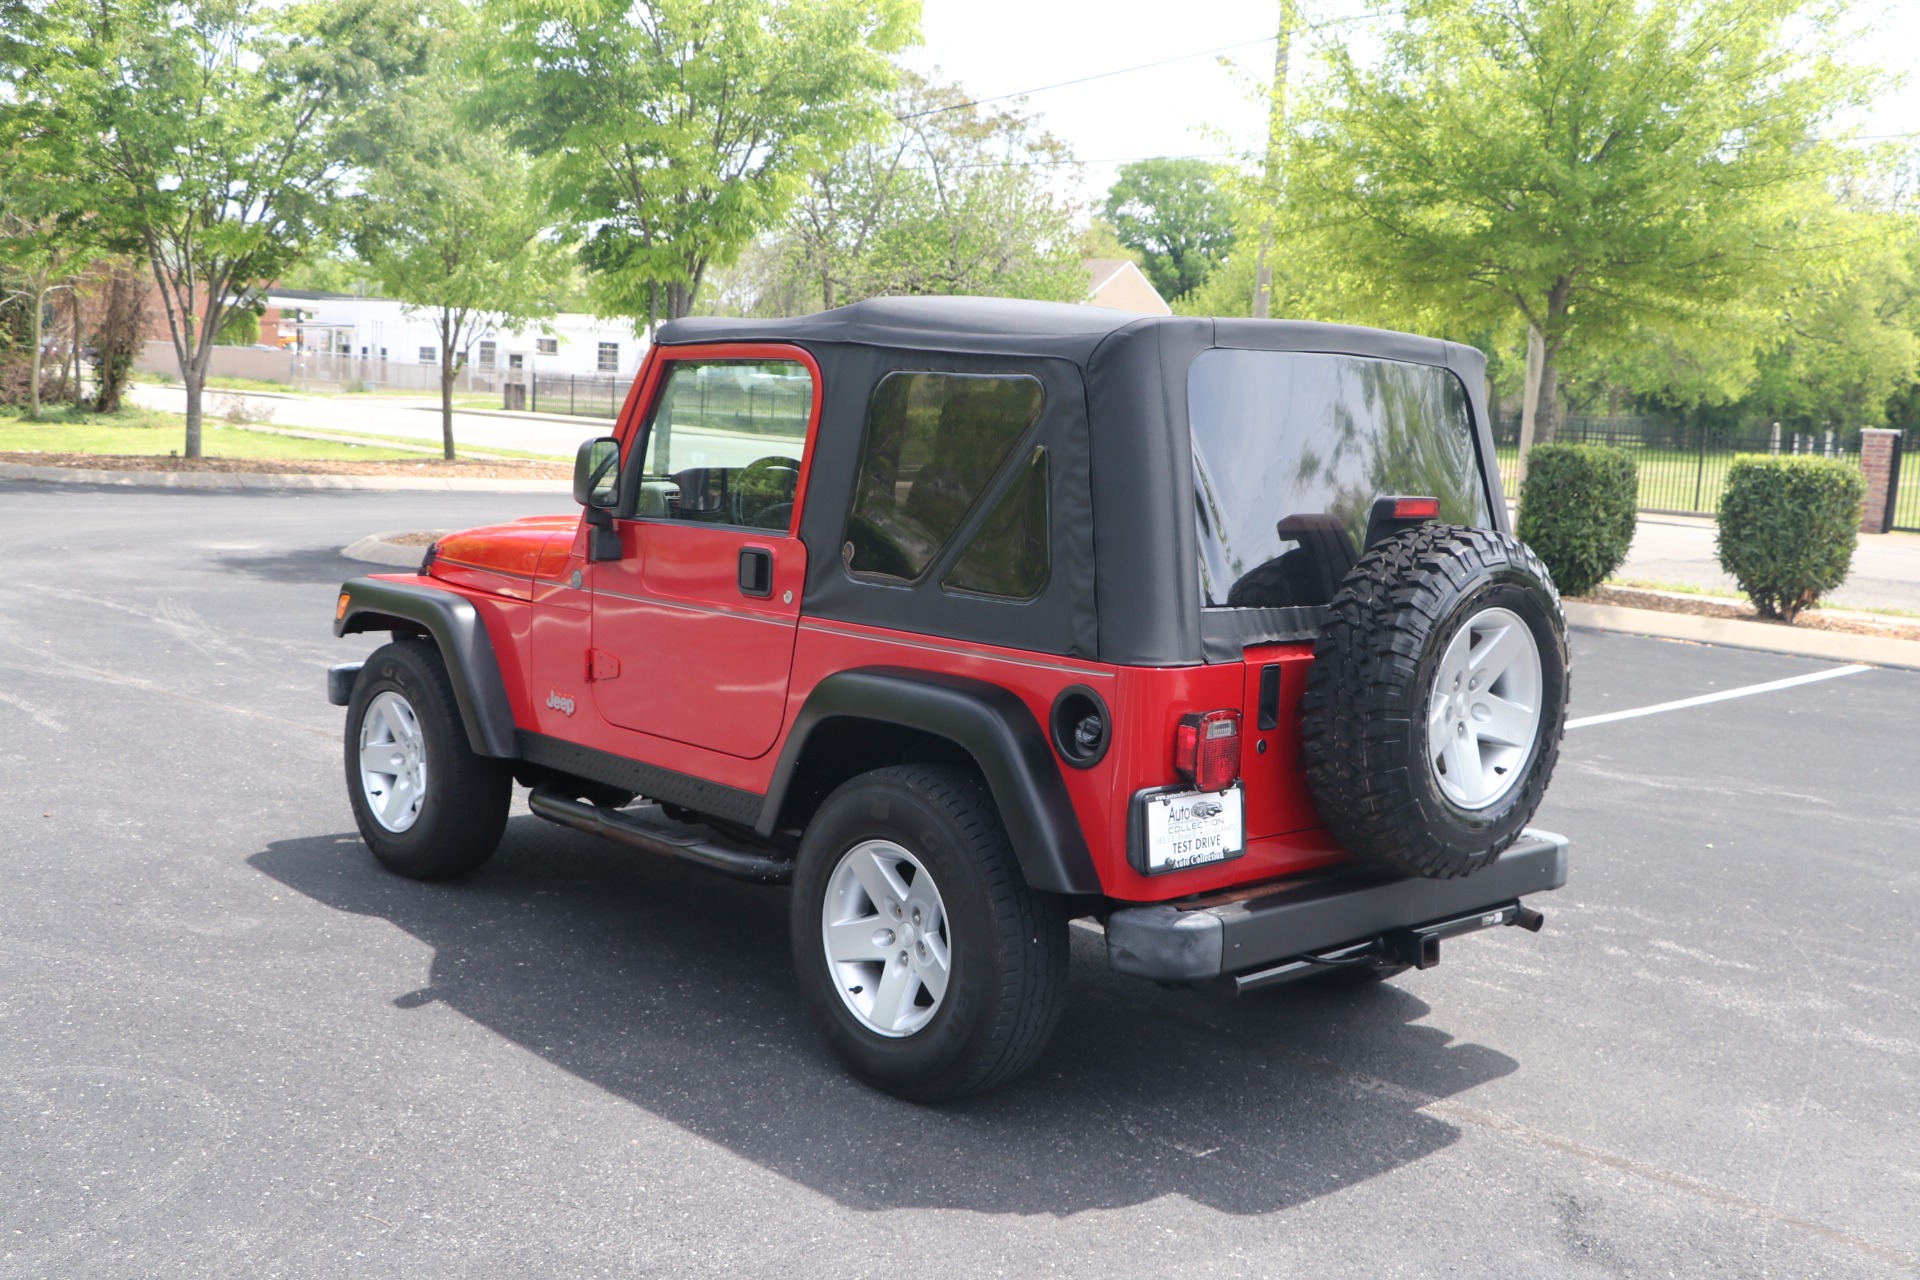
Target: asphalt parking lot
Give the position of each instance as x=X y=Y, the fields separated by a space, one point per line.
x=230 y=1046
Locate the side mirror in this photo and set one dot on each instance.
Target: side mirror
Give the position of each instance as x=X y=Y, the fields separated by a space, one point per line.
x=596 y=473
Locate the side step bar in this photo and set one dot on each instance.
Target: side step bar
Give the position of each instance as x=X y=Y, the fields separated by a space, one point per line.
x=644 y=827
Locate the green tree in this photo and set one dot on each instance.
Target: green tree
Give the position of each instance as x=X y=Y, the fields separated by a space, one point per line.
x=217 y=135
x=1175 y=214
x=678 y=130
x=40 y=249
x=950 y=199
x=1607 y=171
x=1848 y=332
x=44 y=234
x=452 y=225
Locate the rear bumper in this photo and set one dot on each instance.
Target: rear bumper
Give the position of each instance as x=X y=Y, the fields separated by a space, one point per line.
x=1340 y=918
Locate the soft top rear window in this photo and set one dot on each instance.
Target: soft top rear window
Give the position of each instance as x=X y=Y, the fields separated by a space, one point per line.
x=1290 y=449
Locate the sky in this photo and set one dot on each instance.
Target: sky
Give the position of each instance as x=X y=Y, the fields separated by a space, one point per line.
x=1196 y=106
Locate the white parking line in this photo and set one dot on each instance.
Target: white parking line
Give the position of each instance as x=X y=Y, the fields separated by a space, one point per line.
x=1722 y=696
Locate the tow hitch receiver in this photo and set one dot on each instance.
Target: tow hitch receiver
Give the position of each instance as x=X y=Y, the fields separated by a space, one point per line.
x=1418 y=946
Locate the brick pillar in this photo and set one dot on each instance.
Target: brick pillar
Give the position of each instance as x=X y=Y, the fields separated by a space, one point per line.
x=1877 y=447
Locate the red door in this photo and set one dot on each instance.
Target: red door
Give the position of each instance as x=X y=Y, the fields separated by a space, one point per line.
x=693 y=628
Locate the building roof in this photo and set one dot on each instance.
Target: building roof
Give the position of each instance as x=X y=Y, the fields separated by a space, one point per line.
x=1121 y=284
x=321 y=295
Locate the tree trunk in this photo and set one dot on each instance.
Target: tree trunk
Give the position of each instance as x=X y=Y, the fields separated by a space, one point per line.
x=1547 y=417
x=1263 y=274
x=194 y=378
x=447 y=372
x=74 y=393
x=1529 y=402
x=1276 y=135
x=33 y=367
x=1547 y=414
x=194 y=374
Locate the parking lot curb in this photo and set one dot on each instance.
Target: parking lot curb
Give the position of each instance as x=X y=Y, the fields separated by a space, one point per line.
x=1837 y=646
x=262 y=480
x=378 y=548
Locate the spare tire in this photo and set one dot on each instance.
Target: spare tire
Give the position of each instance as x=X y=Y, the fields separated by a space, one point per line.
x=1436 y=701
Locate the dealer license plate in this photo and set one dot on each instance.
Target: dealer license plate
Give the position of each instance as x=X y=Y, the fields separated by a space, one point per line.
x=1193 y=828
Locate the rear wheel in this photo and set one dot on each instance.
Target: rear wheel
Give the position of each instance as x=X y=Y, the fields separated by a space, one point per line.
x=930 y=966
x=425 y=804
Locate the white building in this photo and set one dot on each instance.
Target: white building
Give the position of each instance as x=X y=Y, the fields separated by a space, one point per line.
x=376 y=330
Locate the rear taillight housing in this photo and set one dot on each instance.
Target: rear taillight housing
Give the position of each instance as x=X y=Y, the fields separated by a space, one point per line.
x=1206 y=749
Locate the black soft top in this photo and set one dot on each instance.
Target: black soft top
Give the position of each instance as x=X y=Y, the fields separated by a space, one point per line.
x=1064 y=330
x=1124 y=585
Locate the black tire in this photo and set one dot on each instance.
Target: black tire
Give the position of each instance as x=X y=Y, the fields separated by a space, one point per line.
x=464 y=809
x=1365 y=713
x=1008 y=944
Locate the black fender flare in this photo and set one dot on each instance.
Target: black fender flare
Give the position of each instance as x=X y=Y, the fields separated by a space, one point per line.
x=990 y=724
x=372 y=604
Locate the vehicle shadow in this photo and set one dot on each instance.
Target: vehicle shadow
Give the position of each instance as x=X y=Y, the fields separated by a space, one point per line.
x=317 y=564
x=672 y=988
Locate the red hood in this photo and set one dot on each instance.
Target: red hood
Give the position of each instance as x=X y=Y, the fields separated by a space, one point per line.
x=512 y=549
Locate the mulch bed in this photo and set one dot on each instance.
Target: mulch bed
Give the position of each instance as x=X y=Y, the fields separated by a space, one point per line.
x=506 y=470
x=1740 y=610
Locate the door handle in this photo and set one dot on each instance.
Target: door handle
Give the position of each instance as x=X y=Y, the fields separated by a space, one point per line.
x=756 y=572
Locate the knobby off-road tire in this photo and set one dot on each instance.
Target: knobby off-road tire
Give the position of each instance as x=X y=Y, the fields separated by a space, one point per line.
x=925 y=1008
x=441 y=812
x=1417 y=611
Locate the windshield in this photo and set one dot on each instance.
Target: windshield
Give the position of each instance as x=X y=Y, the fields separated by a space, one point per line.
x=1291 y=448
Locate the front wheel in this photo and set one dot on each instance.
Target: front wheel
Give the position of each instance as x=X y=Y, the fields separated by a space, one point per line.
x=931 y=967
x=427 y=806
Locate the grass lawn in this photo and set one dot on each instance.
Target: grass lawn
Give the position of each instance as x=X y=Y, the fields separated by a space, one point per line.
x=146 y=431
x=435 y=443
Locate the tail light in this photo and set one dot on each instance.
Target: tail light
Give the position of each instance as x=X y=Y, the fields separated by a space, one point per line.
x=1206 y=749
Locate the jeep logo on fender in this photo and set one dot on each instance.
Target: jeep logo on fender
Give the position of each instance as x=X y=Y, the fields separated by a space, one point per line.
x=558 y=703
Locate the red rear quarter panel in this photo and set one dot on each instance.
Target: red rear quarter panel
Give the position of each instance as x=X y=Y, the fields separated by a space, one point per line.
x=1283 y=826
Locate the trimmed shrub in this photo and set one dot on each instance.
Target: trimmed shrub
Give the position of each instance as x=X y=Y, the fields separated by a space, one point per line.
x=1788 y=527
x=1577 y=511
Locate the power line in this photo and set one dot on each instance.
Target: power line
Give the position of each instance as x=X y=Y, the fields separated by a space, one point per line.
x=1059 y=164
x=1145 y=66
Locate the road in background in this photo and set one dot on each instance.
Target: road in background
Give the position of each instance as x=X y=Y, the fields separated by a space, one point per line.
x=231 y=1046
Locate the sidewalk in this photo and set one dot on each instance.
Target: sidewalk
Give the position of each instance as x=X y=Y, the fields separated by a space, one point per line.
x=1680 y=550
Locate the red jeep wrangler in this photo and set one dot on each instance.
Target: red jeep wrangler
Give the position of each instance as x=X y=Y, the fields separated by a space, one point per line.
x=968 y=617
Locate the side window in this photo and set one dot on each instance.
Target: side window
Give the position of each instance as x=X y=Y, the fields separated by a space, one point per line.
x=1008 y=556
x=725 y=443
x=934 y=442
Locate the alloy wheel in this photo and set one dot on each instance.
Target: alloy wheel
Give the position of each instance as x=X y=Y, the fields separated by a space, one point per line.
x=884 y=927
x=393 y=761
x=1484 y=712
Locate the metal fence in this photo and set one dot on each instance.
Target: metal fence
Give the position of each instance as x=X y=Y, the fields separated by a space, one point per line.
x=582 y=395
x=320 y=371
x=1906 y=481
x=1682 y=466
